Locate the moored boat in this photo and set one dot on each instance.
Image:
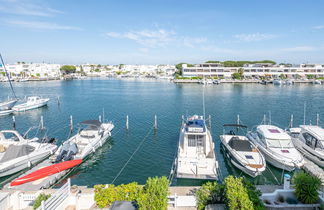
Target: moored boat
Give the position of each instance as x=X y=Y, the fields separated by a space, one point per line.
x=92 y=134
x=196 y=157
x=242 y=153
x=33 y=102
x=277 y=147
x=309 y=140
x=18 y=153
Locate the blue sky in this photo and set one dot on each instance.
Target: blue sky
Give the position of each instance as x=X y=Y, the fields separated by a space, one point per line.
x=161 y=31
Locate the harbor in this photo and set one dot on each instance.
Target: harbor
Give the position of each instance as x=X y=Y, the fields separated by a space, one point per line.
x=160 y=144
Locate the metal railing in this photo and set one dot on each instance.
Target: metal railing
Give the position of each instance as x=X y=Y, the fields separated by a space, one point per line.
x=57 y=198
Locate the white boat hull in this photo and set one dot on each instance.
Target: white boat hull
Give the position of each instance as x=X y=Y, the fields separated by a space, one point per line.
x=24 y=162
x=26 y=107
x=6 y=112
x=300 y=147
x=4 y=106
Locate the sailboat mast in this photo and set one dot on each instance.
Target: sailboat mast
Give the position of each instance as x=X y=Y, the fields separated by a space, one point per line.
x=8 y=76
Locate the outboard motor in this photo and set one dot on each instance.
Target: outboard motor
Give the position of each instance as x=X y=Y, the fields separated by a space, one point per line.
x=73 y=149
x=64 y=150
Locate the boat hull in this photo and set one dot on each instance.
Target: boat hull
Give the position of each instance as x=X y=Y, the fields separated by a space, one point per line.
x=47 y=171
x=23 y=164
x=7 y=105
x=6 y=112
x=25 y=107
x=303 y=149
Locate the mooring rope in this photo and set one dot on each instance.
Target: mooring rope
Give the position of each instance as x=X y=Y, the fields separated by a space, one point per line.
x=138 y=147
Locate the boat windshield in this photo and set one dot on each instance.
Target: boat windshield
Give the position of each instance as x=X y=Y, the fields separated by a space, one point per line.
x=280 y=143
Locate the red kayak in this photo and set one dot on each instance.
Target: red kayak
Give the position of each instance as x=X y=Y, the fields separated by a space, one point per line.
x=47 y=171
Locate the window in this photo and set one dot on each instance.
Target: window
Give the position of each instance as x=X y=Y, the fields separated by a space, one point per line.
x=310 y=140
x=191 y=141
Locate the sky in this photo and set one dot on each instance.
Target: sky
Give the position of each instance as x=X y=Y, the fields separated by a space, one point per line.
x=161 y=31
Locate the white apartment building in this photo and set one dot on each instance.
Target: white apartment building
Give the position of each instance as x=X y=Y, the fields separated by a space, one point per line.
x=253 y=70
x=41 y=70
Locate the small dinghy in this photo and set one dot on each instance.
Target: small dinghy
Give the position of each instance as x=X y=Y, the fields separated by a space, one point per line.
x=242 y=153
x=6 y=112
x=33 y=102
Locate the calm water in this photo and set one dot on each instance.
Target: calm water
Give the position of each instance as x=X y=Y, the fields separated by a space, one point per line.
x=141 y=100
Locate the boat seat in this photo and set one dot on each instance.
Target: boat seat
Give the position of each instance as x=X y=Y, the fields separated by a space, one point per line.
x=2 y=148
x=255 y=165
x=255 y=150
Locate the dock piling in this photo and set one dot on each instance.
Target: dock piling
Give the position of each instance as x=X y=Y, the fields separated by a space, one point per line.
x=58 y=100
x=291 y=121
x=126 y=122
x=71 y=122
x=42 y=123
x=14 y=122
x=155 y=122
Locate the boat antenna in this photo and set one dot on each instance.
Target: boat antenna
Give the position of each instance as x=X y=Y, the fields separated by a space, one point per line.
x=204 y=112
x=269 y=117
x=305 y=113
x=8 y=76
x=238 y=119
x=317 y=119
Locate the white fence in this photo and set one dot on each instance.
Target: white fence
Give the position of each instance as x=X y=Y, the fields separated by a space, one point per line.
x=57 y=198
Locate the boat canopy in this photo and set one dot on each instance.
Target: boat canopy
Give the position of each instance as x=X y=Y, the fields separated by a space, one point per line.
x=240 y=145
x=14 y=151
x=196 y=126
x=316 y=131
x=95 y=123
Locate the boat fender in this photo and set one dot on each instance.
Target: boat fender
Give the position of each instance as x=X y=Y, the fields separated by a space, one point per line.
x=29 y=164
x=100 y=143
x=93 y=149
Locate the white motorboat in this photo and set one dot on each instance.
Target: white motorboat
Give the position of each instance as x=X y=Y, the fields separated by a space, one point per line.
x=242 y=153
x=289 y=82
x=309 y=140
x=317 y=82
x=196 y=156
x=277 y=147
x=7 y=105
x=92 y=135
x=206 y=81
x=33 y=102
x=86 y=141
x=18 y=153
x=277 y=82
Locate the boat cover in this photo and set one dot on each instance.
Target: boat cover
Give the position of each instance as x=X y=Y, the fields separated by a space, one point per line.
x=16 y=151
x=240 y=145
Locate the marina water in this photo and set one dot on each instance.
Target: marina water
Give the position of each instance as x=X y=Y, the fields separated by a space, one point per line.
x=141 y=100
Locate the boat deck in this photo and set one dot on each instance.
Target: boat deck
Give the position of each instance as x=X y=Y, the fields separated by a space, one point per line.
x=43 y=183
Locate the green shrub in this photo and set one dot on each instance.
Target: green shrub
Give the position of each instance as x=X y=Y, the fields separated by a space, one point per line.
x=155 y=194
x=254 y=195
x=39 y=199
x=210 y=193
x=105 y=196
x=306 y=187
x=236 y=194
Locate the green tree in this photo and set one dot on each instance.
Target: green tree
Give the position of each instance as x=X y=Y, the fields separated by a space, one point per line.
x=68 y=69
x=213 y=62
x=236 y=75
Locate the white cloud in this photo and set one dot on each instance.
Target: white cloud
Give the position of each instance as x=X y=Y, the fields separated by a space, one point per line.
x=254 y=37
x=158 y=38
x=27 y=7
x=41 y=25
x=299 y=49
x=147 y=38
x=318 y=27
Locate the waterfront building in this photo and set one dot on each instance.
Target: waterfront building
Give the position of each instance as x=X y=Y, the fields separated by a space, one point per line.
x=30 y=70
x=254 y=70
